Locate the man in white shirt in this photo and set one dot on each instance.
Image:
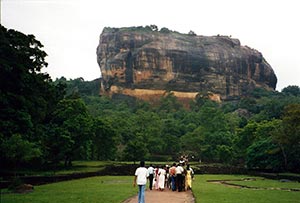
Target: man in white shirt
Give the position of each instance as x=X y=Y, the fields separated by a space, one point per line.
x=140 y=179
x=151 y=176
x=179 y=177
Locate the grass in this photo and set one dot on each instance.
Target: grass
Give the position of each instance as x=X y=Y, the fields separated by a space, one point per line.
x=85 y=166
x=77 y=167
x=104 y=189
x=206 y=192
x=268 y=184
x=114 y=189
x=290 y=174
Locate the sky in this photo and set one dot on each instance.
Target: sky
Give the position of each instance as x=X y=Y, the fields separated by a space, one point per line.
x=70 y=29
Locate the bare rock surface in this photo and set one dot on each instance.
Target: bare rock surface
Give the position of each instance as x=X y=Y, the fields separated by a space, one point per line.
x=141 y=62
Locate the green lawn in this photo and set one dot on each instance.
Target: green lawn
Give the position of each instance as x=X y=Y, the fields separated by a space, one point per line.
x=206 y=192
x=268 y=184
x=77 y=167
x=104 y=189
x=114 y=189
x=85 y=166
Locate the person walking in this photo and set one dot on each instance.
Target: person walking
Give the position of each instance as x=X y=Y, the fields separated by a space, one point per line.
x=161 y=177
x=172 y=172
x=156 y=177
x=140 y=179
x=151 y=176
x=179 y=177
x=188 y=177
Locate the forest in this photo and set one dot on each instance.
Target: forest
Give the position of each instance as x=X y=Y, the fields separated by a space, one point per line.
x=47 y=122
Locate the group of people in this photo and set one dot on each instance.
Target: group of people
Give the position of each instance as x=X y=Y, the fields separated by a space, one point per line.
x=177 y=177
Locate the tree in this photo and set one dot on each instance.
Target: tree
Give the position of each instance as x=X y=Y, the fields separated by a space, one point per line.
x=225 y=153
x=264 y=154
x=21 y=81
x=154 y=27
x=165 y=30
x=212 y=118
x=72 y=116
x=56 y=143
x=27 y=96
x=136 y=150
x=248 y=103
x=169 y=103
x=202 y=99
x=288 y=137
x=171 y=133
x=104 y=144
x=291 y=90
x=149 y=128
x=18 y=150
x=192 y=33
x=291 y=123
x=193 y=143
x=245 y=137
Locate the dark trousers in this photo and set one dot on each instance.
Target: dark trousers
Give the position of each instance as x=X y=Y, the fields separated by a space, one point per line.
x=179 y=182
x=183 y=182
x=150 y=181
x=173 y=183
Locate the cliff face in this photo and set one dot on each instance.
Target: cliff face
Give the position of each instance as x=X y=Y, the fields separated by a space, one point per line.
x=140 y=61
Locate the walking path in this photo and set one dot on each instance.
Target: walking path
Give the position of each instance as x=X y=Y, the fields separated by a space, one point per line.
x=155 y=196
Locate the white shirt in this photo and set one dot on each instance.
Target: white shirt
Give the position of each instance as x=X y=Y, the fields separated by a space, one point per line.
x=179 y=170
x=141 y=173
x=151 y=170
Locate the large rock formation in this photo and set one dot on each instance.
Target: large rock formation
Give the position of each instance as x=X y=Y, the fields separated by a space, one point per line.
x=144 y=63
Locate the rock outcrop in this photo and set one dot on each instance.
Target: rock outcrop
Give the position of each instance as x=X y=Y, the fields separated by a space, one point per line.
x=144 y=63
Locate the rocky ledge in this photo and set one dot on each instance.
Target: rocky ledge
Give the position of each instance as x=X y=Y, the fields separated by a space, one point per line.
x=145 y=63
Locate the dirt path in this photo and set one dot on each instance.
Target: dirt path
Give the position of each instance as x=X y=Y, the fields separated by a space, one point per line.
x=154 y=196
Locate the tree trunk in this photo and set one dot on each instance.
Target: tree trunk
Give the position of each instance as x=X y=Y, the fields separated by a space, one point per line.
x=284 y=157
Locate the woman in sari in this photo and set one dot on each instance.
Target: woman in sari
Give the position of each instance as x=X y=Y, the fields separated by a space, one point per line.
x=188 y=178
x=162 y=175
x=156 y=178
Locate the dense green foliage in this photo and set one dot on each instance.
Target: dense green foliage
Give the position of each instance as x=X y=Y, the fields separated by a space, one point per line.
x=27 y=98
x=259 y=131
x=45 y=122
